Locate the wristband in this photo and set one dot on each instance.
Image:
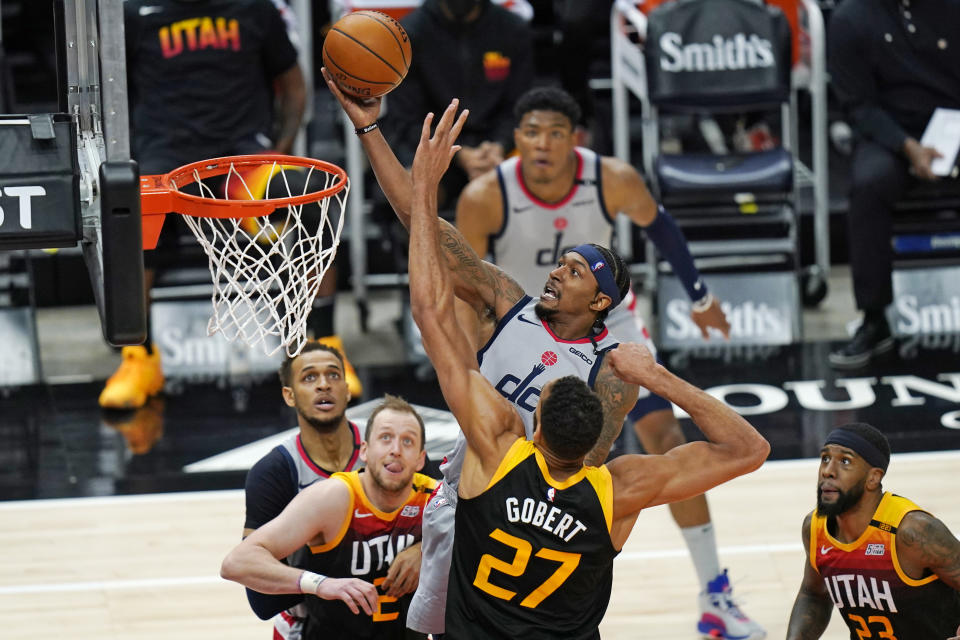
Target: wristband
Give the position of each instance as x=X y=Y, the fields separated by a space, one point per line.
x=310 y=582
x=703 y=303
x=367 y=129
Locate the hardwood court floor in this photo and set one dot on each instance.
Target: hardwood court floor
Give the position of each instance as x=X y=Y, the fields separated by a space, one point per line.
x=146 y=567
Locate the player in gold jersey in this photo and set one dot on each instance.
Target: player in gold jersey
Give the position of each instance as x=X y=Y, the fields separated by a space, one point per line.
x=353 y=525
x=536 y=529
x=891 y=569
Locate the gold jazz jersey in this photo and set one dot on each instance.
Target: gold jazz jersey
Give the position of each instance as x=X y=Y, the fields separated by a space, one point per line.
x=532 y=556
x=364 y=547
x=869 y=588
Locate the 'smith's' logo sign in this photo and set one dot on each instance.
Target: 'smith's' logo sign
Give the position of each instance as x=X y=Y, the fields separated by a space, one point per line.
x=720 y=54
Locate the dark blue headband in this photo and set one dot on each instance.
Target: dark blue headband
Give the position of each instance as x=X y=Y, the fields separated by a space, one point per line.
x=602 y=271
x=863 y=447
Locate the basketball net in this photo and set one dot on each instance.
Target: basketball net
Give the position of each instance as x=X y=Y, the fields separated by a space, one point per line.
x=266 y=270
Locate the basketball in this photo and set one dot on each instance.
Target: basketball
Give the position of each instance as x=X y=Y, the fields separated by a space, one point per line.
x=367 y=53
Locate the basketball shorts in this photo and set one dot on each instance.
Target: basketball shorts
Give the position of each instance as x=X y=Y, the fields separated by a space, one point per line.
x=429 y=605
x=625 y=323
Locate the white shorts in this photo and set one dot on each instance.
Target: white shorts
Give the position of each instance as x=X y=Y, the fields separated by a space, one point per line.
x=429 y=605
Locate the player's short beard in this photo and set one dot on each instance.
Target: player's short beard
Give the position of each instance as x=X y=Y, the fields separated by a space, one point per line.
x=845 y=500
x=544 y=313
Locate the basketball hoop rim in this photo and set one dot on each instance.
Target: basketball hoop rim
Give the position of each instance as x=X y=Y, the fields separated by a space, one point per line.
x=175 y=201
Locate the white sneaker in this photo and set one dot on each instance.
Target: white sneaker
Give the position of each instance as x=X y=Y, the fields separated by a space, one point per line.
x=720 y=617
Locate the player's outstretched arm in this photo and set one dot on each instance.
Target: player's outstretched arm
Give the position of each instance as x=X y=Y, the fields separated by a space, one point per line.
x=924 y=542
x=482 y=413
x=733 y=446
x=316 y=512
x=811 y=610
x=477 y=282
x=625 y=192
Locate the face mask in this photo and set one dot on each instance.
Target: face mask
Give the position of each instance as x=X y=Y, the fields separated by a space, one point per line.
x=460 y=9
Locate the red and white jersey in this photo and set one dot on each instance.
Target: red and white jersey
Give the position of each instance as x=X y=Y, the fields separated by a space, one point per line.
x=534 y=234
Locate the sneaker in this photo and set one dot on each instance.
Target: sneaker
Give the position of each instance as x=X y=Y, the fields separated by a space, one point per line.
x=871 y=339
x=353 y=382
x=138 y=377
x=720 y=616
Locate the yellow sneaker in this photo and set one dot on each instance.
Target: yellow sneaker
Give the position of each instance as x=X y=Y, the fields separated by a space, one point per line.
x=353 y=382
x=138 y=377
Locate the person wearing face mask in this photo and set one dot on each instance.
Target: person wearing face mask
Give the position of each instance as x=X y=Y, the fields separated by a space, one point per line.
x=474 y=50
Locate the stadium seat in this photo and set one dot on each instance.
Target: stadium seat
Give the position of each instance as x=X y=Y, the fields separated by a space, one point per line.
x=705 y=59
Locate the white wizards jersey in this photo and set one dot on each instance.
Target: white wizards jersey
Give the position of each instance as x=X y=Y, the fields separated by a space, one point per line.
x=523 y=355
x=534 y=233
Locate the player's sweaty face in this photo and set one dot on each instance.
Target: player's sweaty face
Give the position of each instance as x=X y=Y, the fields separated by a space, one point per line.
x=545 y=142
x=319 y=388
x=395 y=449
x=841 y=481
x=570 y=287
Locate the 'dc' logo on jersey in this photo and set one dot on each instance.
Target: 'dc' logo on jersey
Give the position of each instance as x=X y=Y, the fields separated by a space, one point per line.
x=548 y=358
x=523 y=393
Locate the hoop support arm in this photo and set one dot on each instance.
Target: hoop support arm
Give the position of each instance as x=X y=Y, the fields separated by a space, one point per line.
x=155 y=204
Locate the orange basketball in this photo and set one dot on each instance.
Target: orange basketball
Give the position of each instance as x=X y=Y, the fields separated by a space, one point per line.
x=367 y=53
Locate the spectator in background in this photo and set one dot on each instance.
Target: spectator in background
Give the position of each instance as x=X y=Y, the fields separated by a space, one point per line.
x=583 y=26
x=468 y=49
x=892 y=62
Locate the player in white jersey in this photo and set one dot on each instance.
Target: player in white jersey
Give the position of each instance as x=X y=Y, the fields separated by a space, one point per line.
x=315 y=386
x=571 y=307
x=553 y=195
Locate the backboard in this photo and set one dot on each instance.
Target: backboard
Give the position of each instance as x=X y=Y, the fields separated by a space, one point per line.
x=92 y=80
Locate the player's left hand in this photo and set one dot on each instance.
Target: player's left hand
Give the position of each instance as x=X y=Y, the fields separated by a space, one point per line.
x=435 y=152
x=404 y=573
x=712 y=316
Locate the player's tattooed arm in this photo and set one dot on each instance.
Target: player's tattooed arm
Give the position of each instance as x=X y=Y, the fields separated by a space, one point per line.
x=480 y=283
x=925 y=542
x=617 y=398
x=812 y=608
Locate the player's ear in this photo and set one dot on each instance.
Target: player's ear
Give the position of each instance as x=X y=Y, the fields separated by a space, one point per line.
x=363 y=451
x=600 y=302
x=421 y=460
x=288 y=396
x=874 y=478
